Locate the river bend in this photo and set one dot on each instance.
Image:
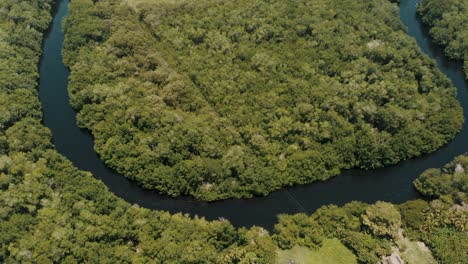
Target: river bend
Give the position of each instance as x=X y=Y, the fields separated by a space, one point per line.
x=392 y=184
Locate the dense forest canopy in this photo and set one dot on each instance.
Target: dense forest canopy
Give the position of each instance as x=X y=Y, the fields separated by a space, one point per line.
x=370 y=231
x=50 y=212
x=220 y=99
x=448 y=20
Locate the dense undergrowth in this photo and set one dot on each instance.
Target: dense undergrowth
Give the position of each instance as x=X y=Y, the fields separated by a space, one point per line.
x=448 y=22
x=218 y=99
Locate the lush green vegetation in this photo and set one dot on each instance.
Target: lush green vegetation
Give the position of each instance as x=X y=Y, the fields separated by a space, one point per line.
x=50 y=212
x=448 y=20
x=219 y=99
x=451 y=180
x=21 y=25
x=370 y=231
x=415 y=252
x=331 y=252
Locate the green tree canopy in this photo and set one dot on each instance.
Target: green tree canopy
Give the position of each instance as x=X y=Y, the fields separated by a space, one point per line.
x=222 y=99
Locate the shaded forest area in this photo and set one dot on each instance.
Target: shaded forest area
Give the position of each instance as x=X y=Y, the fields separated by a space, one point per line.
x=219 y=99
x=448 y=20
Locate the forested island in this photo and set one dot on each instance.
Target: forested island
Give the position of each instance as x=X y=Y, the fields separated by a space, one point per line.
x=448 y=20
x=51 y=212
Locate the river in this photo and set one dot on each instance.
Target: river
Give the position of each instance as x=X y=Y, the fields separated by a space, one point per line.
x=392 y=184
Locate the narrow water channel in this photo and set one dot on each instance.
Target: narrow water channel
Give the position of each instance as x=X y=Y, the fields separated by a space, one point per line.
x=392 y=184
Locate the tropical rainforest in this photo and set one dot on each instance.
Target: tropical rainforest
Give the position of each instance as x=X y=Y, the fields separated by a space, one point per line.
x=51 y=212
x=448 y=22
x=225 y=99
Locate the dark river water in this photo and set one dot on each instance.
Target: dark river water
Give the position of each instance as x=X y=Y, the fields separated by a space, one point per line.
x=392 y=184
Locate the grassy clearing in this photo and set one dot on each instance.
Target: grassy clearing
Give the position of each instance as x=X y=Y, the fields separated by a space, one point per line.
x=413 y=253
x=332 y=252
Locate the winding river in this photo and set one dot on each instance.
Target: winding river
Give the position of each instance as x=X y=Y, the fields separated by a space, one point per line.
x=392 y=184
